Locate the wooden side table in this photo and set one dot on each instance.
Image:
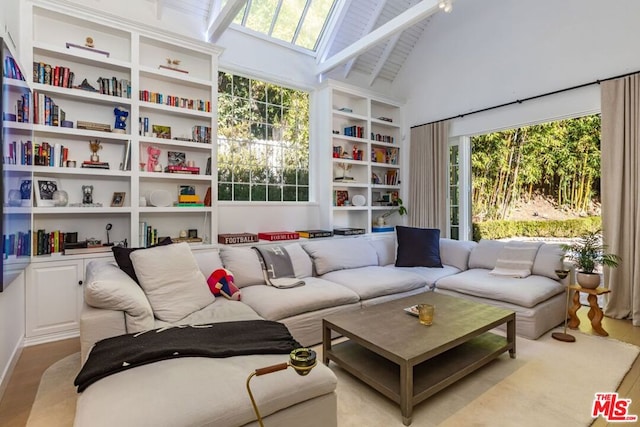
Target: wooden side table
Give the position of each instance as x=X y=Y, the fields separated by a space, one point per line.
x=595 y=313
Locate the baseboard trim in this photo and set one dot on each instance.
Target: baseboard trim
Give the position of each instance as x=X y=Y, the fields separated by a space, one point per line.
x=6 y=375
x=58 y=336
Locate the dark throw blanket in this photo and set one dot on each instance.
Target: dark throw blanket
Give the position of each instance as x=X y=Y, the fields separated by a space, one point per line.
x=226 y=339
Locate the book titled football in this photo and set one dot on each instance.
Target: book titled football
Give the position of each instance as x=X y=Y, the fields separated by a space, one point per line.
x=274 y=236
x=237 y=238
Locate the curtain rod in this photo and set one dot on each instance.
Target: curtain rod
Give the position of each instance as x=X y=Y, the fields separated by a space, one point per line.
x=520 y=101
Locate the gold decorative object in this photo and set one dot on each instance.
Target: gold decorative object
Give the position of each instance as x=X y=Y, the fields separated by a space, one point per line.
x=303 y=360
x=89 y=42
x=95 y=146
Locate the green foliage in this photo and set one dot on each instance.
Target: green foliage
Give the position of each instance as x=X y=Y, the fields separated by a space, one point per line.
x=588 y=252
x=503 y=229
x=560 y=159
x=400 y=208
x=263 y=140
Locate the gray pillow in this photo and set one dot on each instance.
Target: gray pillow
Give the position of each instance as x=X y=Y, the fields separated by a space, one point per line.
x=171 y=280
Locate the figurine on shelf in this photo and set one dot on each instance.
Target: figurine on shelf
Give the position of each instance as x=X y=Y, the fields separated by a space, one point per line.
x=120 y=125
x=89 y=42
x=153 y=154
x=86 y=86
x=95 y=146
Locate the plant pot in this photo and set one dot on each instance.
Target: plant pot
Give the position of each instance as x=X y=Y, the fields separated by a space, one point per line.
x=588 y=280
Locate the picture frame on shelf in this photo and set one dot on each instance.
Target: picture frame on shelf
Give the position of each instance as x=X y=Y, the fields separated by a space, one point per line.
x=26 y=190
x=117 y=200
x=176 y=158
x=44 y=188
x=162 y=132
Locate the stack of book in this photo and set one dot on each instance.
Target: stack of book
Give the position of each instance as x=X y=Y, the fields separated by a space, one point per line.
x=95 y=165
x=274 y=236
x=314 y=234
x=189 y=200
x=103 y=127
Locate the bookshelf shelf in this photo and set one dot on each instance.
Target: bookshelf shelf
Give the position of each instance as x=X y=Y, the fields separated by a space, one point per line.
x=81 y=56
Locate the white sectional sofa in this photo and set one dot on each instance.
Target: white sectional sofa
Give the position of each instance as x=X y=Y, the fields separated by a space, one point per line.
x=339 y=274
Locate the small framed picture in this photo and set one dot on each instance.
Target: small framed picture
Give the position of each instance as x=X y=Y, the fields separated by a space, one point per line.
x=163 y=132
x=118 y=199
x=44 y=189
x=188 y=190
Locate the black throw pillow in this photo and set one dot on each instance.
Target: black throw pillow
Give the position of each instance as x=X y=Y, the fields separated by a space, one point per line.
x=124 y=260
x=418 y=247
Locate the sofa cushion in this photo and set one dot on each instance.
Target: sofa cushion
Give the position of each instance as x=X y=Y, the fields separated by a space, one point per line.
x=548 y=260
x=374 y=281
x=456 y=252
x=172 y=281
x=208 y=261
x=485 y=254
x=276 y=304
x=386 y=249
x=243 y=262
x=516 y=259
x=340 y=254
x=221 y=310
x=525 y=292
x=123 y=257
x=302 y=264
x=429 y=274
x=110 y=288
x=418 y=247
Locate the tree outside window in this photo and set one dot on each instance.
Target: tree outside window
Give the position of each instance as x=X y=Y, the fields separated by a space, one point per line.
x=263 y=141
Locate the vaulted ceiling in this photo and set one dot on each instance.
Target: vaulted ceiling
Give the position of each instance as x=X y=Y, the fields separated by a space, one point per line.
x=372 y=37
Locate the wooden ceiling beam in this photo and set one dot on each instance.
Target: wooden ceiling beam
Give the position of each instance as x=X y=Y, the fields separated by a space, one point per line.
x=222 y=20
x=411 y=16
x=388 y=49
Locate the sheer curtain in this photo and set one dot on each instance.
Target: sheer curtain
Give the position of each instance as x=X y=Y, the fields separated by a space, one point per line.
x=620 y=187
x=428 y=154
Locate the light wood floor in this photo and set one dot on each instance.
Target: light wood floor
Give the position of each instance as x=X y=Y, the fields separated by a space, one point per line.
x=23 y=385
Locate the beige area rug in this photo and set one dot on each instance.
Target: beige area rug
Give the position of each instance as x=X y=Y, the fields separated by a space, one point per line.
x=550 y=383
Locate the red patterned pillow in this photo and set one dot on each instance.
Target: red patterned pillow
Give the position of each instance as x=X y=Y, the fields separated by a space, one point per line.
x=221 y=283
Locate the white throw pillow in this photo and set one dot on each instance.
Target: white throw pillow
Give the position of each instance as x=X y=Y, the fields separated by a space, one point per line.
x=516 y=259
x=170 y=277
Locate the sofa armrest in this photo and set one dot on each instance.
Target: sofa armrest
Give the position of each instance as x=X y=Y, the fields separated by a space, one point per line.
x=97 y=324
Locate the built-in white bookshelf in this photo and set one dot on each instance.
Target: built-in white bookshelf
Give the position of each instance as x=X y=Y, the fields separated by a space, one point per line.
x=134 y=63
x=363 y=135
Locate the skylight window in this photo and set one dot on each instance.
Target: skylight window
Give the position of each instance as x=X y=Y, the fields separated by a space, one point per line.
x=299 y=22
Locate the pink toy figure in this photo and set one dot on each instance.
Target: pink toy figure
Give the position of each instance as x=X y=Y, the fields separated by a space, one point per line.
x=153 y=157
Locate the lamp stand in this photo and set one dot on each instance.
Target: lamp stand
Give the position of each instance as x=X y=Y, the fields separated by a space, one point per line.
x=564 y=336
x=303 y=360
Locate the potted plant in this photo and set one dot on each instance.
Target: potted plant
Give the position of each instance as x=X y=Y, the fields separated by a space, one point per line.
x=399 y=207
x=587 y=253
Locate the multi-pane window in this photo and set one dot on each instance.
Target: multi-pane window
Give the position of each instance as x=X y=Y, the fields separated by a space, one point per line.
x=454 y=192
x=263 y=141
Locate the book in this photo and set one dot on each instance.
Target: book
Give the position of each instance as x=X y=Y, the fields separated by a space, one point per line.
x=382 y=229
x=95 y=165
x=273 y=236
x=189 y=204
x=185 y=239
x=183 y=169
x=313 y=234
x=348 y=231
x=237 y=238
x=87 y=250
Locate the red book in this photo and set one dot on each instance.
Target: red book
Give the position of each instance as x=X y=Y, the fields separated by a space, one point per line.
x=273 y=236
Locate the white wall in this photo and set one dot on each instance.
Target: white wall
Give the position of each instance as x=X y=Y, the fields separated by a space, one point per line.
x=12 y=327
x=10 y=22
x=491 y=52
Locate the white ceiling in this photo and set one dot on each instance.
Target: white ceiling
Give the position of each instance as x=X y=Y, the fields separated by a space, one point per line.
x=352 y=44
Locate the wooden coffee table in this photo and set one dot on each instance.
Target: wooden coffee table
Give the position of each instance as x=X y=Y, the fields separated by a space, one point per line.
x=408 y=362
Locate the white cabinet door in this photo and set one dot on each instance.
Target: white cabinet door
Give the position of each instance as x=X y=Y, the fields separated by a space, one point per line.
x=54 y=298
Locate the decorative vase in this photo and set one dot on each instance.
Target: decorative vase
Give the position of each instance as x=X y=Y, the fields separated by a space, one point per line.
x=588 y=280
x=60 y=198
x=381 y=221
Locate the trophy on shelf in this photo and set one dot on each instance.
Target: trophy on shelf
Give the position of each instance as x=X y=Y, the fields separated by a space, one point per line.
x=95 y=146
x=346 y=167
